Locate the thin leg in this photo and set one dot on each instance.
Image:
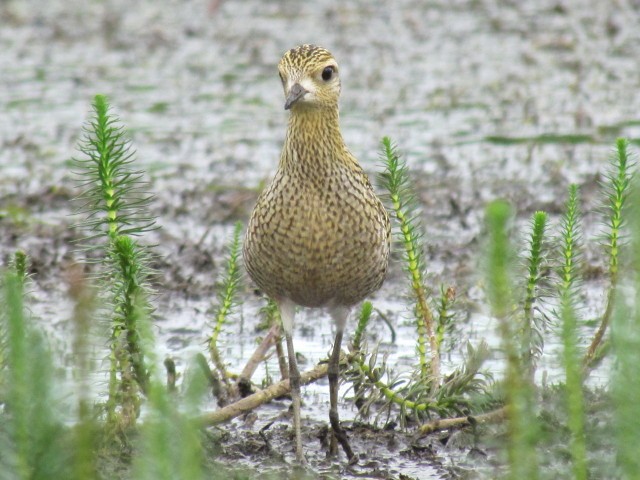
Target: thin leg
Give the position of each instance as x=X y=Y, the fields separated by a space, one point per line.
x=333 y=372
x=287 y=313
x=294 y=379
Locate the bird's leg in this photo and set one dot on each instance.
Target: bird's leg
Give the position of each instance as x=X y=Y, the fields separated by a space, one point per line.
x=333 y=372
x=287 y=313
x=294 y=379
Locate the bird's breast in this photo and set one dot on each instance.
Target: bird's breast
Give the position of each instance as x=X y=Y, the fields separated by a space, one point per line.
x=317 y=240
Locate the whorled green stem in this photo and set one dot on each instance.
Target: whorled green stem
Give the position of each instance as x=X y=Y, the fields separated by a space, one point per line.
x=392 y=395
x=107 y=147
x=130 y=298
x=570 y=238
x=129 y=370
x=21 y=265
x=530 y=336
x=412 y=395
x=363 y=321
x=86 y=431
x=447 y=298
x=113 y=196
x=226 y=299
x=625 y=342
x=18 y=372
x=617 y=190
x=396 y=180
x=358 y=348
x=521 y=420
x=570 y=254
x=170 y=444
x=114 y=203
x=31 y=423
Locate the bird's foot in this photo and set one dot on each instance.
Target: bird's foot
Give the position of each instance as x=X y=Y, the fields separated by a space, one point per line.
x=340 y=436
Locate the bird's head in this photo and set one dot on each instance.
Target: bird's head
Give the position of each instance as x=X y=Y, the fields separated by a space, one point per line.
x=310 y=78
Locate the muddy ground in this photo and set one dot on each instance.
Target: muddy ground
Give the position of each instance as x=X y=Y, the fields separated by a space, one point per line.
x=485 y=99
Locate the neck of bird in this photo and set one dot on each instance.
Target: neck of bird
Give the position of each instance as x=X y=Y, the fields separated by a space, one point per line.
x=313 y=139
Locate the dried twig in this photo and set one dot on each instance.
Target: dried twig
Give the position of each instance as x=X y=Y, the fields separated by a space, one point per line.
x=459 y=422
x=263 y=396
x=259 y=354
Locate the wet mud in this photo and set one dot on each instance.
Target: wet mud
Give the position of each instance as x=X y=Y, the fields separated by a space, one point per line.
x=485 y=100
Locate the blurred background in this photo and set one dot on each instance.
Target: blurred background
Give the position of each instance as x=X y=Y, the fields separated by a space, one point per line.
x=484 y=98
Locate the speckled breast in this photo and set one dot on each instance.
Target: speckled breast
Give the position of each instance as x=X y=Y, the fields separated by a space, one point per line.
x=318 y=245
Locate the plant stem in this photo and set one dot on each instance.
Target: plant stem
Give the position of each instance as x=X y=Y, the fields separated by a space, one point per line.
x=539 y=222
x=619 y=183
x=226 y=300
x=574 y=398
x=625 y=339
x=521 y=420
x=397 y=181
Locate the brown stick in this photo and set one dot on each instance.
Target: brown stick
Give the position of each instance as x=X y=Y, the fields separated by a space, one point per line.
x=459 y=422
x=282 y=360
x=263 y=396
x=258 y=355
x=590 y=356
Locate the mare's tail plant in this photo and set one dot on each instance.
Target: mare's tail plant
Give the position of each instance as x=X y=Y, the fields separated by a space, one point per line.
x=86 y=432
x=533 y=320
x=171 y=443
x=522 y=429
x=616 y=190
x=30 y=437
x=402 y=202
x=570 y=237
x=114 y=203
x=423 y=392
x=227 y=300
x=625 y=339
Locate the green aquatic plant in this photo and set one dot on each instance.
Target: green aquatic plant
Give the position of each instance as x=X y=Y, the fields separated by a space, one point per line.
x=85 y=434
x=363 y=321
x=625 y=339
x=446 y=314
x=403 y=206
x=32 y=426
x=171 y=444
x=421 y=393
x=570 y=252
x=114 y=198
x=532 y=320
x=113 y=202
x=616 y=190
x=227 y=299
x=522 y=425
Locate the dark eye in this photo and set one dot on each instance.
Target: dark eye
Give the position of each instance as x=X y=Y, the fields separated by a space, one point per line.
x=328 y=72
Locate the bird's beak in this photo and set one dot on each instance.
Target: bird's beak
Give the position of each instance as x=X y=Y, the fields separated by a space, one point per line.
x=295 y=94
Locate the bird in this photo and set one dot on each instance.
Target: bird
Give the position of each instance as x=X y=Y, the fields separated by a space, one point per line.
x=318 y=235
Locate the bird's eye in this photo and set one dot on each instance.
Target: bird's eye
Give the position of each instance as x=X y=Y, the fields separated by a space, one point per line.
x=328 y=72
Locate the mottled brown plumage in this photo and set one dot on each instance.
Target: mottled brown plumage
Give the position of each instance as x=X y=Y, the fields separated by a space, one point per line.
x=318 y=236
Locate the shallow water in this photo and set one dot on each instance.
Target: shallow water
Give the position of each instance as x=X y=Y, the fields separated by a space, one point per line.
x=485 y=99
